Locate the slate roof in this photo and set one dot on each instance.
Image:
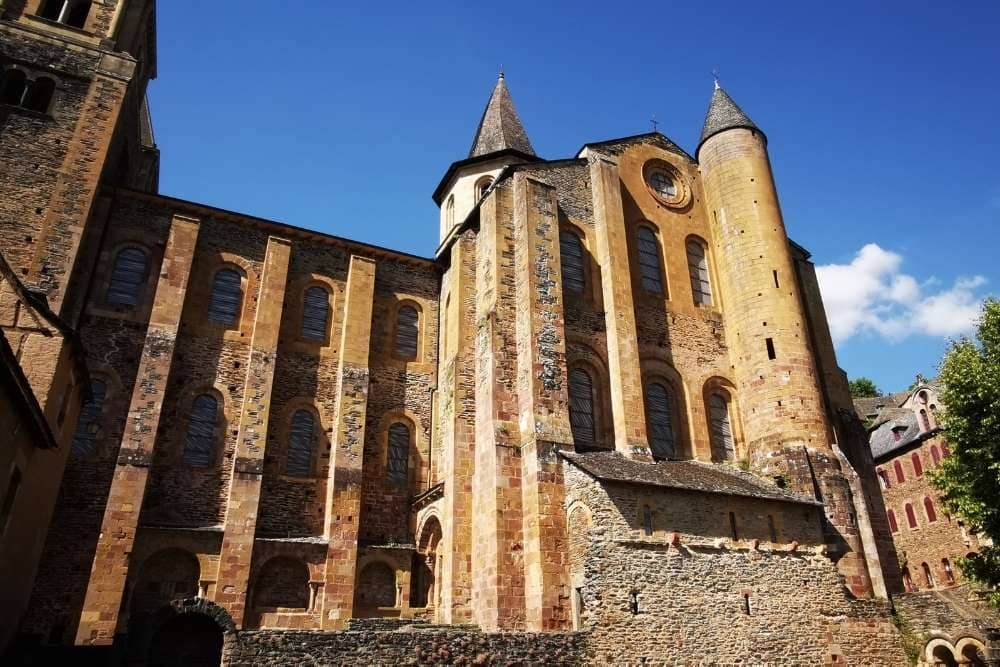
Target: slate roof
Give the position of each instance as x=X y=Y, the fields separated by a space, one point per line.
x=723 y=114
x=687 y=475
x=871 y=406
x=500 y=127
x=883 y=441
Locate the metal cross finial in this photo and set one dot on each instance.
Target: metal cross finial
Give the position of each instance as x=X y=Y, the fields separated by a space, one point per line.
x=501 y=70
x=715 y=75
x=655 y=122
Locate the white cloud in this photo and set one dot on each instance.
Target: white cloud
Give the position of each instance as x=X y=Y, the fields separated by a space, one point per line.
x=871 y=295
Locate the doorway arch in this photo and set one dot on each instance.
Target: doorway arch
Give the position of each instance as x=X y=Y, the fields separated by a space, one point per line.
x=187 y=640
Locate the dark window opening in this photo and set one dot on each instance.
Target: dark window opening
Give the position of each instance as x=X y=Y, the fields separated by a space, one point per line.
x=633 y=602
x=581 y=407
x=571 y=255
x=647 y=520
x=199 y=443
x=315 y=312
x=772 y=528
x=69 y=12
x=39 y=95
x=649 y=261
x=721 y=432
x=661 y=431
x=911 y=516
x=769 y=342
x=747 y=608
x=775 y=274
x=397 y=464
x=893 y=526
x=918 y=467
x=8 y=500
x=732 y=526
x=127 y=277
x=227 y=297
x=407 y=329
x=14 y=88
x=301 y=442
x=87 y=425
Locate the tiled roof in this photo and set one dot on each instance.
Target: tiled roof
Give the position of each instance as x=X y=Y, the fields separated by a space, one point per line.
x=688 y=475
x=883 y=440
x=723 y=114
x=500 y=128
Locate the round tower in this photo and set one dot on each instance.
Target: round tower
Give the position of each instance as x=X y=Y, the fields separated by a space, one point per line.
x=788 y=433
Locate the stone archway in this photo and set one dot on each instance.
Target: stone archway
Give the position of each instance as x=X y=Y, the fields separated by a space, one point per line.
x=424 y=575
x=194 y=632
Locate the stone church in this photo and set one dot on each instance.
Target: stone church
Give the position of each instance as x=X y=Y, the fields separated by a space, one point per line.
x=603 y=424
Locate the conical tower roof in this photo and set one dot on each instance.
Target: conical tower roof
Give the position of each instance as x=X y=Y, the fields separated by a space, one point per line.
x=500 y=128
x=723 y=114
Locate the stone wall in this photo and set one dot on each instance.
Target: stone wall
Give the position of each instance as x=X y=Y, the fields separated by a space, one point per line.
x=690 y=591
x=413 y=646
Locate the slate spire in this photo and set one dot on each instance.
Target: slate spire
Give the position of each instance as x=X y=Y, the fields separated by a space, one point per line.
x=500 y=128
x=723 y=114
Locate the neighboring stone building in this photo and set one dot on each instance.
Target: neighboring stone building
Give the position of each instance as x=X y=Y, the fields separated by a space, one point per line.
x=608 y=410
x=907 y=442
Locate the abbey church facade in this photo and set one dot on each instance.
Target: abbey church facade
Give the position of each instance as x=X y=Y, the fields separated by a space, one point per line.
x=604 y=423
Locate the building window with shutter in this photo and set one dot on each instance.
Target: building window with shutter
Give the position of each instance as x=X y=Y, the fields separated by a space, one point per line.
x=659 y=416
x=315 y=313
x=929 y=510
x=398 y=456
x=897 y=467
x=227 y=297
x=918 y=467
x=407 y=332
x=301 y=443
x=85 y=436
x=128 y=275
x=721 y=433
x=893 y=526
x=650 y=266
x=581 y=407
x=701 y=284
x=911 y=516
x=571 y=256
x=199 y=442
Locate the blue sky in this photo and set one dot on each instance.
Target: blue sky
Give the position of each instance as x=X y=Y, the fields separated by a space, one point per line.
x=881 y=116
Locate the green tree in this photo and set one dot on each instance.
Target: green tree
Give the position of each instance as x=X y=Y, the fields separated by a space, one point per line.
x=863 y=387
x=969 y=479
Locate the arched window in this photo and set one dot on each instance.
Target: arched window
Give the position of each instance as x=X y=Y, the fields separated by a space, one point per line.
x=883 y=478
x=40 y=94
x=571 y=256
x=301 y=443
x=407 y=329
x=227 y=297
x=398 y=458
x=949 y=575
x=925 y=422
x=69 y=12
x=86 y=425
x=482 y=185
x=375 y=587
x=659 y=413
x=281 y=583
x=701 y=284
x=935 y=455
x=918 y=467
x=929 y=510
x=581 y=406
x=911 y=516
x=199 y=443
x=127 y=277
x=649 y=260
x=898 y=468
x=893 y=526
x=15 y=87
x=315 y=312
x=723 y=445
x=449 y=214
x=647 y=520
x=908 y=581
x=928 y=575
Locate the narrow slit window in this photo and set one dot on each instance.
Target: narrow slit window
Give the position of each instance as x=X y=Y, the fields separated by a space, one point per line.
x=571 y=254
x=732 y=526
x=775 y=274
x=701 y=285
x=747 y=607
x=199 y=443
x=397 y=465
x=772 y=528
x=650 y=267
x=301 y=443
x=647 y=520
x=769 y=342
x=949 y=575
x=722 y=428
x=227 y=297
x=581 y=406
x=85 y=436
x=315 y=313
x=407 y=330
x=659 y=408
x=127 y=277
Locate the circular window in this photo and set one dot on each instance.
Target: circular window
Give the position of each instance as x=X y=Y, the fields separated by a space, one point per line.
x=665 y=183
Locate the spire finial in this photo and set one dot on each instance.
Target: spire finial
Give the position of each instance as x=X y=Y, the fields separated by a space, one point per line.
x=501 y=71
x=715 y=76
x=655 y=123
